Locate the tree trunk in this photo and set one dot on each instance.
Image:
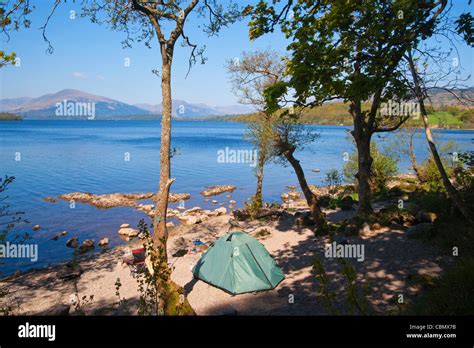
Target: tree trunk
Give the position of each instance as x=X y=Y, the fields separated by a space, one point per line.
x=362 y=138
x=258 y=194
x=450 y=189
x=364 y=160
x=318 y=216
x=264 y=127
x=416 y=169
x=170 y=294
x=160 y=235
x=414 y=162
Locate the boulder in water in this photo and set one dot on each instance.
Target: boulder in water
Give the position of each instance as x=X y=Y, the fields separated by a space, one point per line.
x=217 y=190
x=128 y=233
x=104 y=242
x=72 y=243
x=86 y=246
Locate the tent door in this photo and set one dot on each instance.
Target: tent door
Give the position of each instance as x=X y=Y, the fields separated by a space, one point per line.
x=269 y=282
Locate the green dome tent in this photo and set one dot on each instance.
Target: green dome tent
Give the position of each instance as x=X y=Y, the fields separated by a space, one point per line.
x=238 y=263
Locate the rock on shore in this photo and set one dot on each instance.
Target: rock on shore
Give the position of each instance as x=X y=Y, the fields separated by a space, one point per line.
x=118 y=199
x=217 y=190
x=292 y=195
x=127 y=233
x=197 y=215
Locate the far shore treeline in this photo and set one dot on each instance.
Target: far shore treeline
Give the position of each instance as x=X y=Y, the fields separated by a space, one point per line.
x=6 y=116
x=443 y=116
x=338 y=114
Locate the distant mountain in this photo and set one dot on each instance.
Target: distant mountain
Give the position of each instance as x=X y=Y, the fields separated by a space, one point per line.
x=155 y=109
x=13 y=103
x=70 y=103
x=441 y=97
x=183 y=109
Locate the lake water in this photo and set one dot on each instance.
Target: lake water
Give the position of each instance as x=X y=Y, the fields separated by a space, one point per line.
x=49 y=158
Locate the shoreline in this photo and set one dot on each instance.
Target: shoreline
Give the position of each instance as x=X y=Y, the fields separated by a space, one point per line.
x=178 y=219
x=294 y=248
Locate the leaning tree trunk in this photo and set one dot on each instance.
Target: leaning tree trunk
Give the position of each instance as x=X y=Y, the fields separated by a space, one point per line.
x=450 y=189
x=364 y=161
x=318 y=216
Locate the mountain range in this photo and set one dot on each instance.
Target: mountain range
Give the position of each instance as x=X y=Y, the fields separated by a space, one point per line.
x=68 y=103
x=442 y=97
x=74 y=103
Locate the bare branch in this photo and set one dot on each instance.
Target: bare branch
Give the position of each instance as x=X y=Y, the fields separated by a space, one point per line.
x=50 y=48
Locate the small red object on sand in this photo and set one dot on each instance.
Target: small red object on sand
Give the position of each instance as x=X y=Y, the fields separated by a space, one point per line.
x=137 y=260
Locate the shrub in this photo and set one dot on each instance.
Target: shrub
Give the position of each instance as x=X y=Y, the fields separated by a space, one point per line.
x=333 y=178
x=429 y=173
x=451 y=233
x=8 y=220
x=439 y=300
x=253 y=207
x=383 y=168
x=464 y=173
x=262 y=233
x=355 y=294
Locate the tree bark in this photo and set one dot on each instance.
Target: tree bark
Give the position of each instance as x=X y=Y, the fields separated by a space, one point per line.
x=362 y=139
x=160 y=235
x=318 y=216
x=258 y=194
x=169 y=293
x=450 y=189
x=264 y=125
x=363 y=176
x=414 y=162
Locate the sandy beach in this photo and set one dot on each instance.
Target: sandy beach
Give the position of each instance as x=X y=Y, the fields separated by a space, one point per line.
x=391 y=261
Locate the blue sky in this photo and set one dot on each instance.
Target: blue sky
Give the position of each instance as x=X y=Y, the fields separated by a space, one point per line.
x=90 y=57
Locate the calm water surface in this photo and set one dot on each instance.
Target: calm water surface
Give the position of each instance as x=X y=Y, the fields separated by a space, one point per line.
x=91 y=156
